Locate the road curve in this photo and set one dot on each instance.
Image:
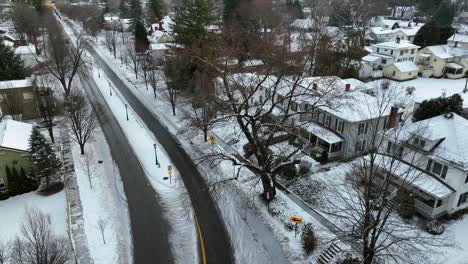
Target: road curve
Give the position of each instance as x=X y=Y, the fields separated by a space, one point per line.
x=215 y=236
x=150 y=231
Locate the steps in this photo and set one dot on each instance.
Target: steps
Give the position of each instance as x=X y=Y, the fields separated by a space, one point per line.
x=329 y=254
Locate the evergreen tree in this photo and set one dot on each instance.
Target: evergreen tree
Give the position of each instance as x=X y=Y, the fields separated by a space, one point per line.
x=432 y=33
x=45 y=163
x=39 y=5
x=439 y=106
x=12 y=183
x=141 y=36
x=11 y=66
x=157 y=8
x=136 y=13
x=123 y=8
x=191 y=21
x=230 y=9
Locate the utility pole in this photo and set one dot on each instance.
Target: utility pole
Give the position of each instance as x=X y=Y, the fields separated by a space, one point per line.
x=156 y=155
x=126 y=111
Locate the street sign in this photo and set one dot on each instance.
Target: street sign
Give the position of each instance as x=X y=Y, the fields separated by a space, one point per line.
x=212 y=140
x=169 y=172
x=296 y=220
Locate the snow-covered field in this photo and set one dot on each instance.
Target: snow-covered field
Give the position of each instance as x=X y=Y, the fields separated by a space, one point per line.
x=13 y=211
x=104 y=203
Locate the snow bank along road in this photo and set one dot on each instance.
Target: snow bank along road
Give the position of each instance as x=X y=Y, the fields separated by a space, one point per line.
x=214 y=240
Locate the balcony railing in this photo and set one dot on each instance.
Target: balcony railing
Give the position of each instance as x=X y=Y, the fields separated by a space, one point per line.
x=429 y=211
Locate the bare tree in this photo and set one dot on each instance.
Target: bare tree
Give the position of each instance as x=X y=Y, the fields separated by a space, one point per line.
x=111 y=40
x=102 y=225
x=37 y=244
x=154 y=74
x=89 y=164
x=46 y=102
x=26 y=22
x=134 y=57
x=65 y=58
x=12 y=103
x=4 y=248
x=81 y=119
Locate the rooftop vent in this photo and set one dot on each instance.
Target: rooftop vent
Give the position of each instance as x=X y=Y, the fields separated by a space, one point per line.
x=448 y=115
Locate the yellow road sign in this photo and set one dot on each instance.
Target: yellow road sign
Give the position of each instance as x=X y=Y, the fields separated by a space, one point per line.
x=212 y=140
x=296 y=220
x=169 y=172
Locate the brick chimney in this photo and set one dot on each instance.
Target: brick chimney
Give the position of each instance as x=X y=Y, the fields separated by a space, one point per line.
x=315 y=86
x=398 y=40
x=160 y=26
x=393 y=118
x=348 y=87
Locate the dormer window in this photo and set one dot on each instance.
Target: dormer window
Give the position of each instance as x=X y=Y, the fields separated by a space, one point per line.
x=420 y=143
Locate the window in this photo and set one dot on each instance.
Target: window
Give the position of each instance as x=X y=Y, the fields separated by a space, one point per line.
x=294 y=106
x=384 y=61
x=336 y=147
x=419 y=142
x=315 y=115
x=401 y=53
x=27 y=96
x=391 y=52
x=394 y=72
x=360 y=146
x=339 y=125
x=437 y=168
x=462 y=199
x=362 y=129
x=378 y=50
x=395 y=150
x=327 y=120
x=412 y=51
x=267 y=93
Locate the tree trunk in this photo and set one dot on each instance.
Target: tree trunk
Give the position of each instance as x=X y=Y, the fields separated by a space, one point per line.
x=205 y=133
x=173 y=107
x=51 y=132
x=269 y=188
x=82 y=148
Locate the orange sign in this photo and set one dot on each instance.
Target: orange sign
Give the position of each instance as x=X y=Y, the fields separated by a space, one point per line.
x=296 y=220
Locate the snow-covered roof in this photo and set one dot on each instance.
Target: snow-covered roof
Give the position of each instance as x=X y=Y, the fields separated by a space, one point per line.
x=252 y=63
x=303 y=24
x=450 y=130
x=454 y=65
x=355 y=83
x=159 y=46
x=395 y=45
x=371 y=58
x=459 y=38
x=412 y=176
x=411 y=31
x=8 y=43
x=447 y=52
x=12 y=84
x=15 y=135
x=406 y=66
x=380 y=31
x=322 y=132
x=30 y=49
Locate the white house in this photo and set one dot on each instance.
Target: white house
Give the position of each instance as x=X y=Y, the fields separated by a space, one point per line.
x=387 y=53
x=458 y=40
x=432 y=163
x=443 y=60
x=401 y=71
x=27 y=55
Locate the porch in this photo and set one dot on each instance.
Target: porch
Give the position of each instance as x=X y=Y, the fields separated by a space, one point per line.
x=454 y=70
x=431 y=195
x=321 y=139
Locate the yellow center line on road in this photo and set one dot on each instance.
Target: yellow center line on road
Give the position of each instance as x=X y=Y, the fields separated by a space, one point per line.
x=200 y=236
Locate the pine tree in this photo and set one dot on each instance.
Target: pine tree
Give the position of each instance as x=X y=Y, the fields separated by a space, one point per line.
x=192 y=19
x=45 y=163
x=11 y=66
x=12 y=182
x=439 y=106
x=136 y=13
x=157 y=8
x=230 y=9
x=141 y=37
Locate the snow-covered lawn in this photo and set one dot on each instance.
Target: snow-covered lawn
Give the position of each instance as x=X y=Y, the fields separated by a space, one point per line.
x=13 y=211
x=104 y=203
x=429 y=88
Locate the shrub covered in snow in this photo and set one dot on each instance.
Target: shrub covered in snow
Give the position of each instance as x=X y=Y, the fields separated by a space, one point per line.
x=406 y=208
x=435 y=227
x=347 y=258
x=309 y=241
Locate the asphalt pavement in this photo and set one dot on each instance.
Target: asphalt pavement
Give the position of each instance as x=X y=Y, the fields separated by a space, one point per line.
x=149 y=228
x=215 y=236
